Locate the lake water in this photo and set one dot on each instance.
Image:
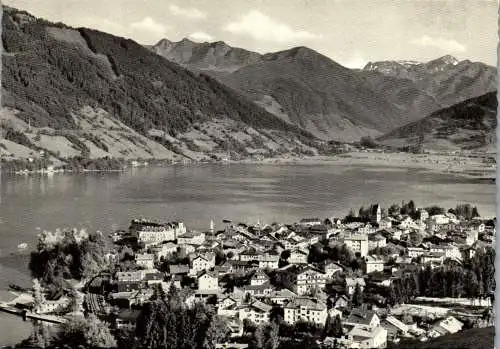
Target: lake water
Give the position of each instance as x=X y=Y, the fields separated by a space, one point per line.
x=197 y=194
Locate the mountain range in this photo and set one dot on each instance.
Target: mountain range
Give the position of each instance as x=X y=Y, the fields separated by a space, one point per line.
x=310 y=90
x=81 y=92
x=72 y=91
x=469 y=125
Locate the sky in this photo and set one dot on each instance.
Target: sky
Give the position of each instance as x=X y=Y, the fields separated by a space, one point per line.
x=351 y=32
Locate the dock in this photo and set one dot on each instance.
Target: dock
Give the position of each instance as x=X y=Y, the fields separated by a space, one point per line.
x=33 y=316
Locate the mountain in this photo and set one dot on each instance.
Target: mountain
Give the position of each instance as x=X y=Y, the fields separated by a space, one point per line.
x=446 y=80
x=215 y=56
x=312 y=91
x=308 y=89
x=468 y=125
x=477 y=338
x=81 y=91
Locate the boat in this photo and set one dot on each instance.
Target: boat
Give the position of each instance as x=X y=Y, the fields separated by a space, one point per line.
x=22 y=246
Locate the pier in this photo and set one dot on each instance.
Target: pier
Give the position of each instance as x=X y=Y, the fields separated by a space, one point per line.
x=30 y=315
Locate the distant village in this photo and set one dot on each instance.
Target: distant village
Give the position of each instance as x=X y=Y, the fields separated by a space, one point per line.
x=371 y=279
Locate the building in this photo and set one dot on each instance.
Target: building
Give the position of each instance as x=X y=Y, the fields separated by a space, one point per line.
x=432 y=258
x=257 y=311
x=449 y=251
x=201 y=262
x=350 y=284
x=449 y=325
x=151 y=233
x=394 y=327
x=310 y=222
x=164 y=250
x=298 y=257
x=471 y=237
x=259 y=278
x=414 y=252
x=208 y=281
x=309 y=279
x=305 y=309
x=373 y=264
x=332 y=268
x=375 y=337
x=191 y=238
x=362 y=318
x=145 y=260
x=376 y=214
x=358 y=243
x=376 y=241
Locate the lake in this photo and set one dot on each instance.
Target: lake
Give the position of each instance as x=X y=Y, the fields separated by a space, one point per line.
x=197 y=194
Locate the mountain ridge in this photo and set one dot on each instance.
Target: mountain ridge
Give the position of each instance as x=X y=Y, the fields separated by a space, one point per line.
x=63 y=82
x=468 y=125
x=406 y=90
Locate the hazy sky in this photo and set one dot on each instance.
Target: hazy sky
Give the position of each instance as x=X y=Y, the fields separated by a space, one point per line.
x=351 y=32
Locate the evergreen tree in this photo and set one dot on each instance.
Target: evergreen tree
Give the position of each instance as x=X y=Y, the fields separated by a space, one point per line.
x=337 y=327
x=357 y=297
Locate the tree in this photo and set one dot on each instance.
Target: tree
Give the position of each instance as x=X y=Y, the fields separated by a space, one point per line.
x=38 y=296
x=87 y=333
x=217 y=332
x=337 y=327
x=357 y=297
x=394 y=210
x=333 y=327
x=271 y=336
x=257 y=340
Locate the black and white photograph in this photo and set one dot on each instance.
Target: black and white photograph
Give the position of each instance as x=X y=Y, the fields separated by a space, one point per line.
x=261 y=174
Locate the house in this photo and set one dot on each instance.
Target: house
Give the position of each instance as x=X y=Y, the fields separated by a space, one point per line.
x=376 y=241
x=164 y=250
x=446 y=326
x=351 y=284
x=208 y=281
x=449 y=251
x=281 y=297
x=305 y=309
x=332 y=268
x=363 y=319
x=375 y=337
x=242 y=266
x=471 y=237
x=153 y=276
x=414 y=252
x=310 y=222
x=145 y=260
x=127 y=319
x=151 y=233
x=200 y=263
x=432 y=258
x=129 y=280
x=309 y=279
x=394 y=327
x=298 y=256
x=191 y=238
x=269 y=260
x=374 y=263
x=257 y=311
x=385 y=223
x=358 y=243
x=259 y=278
x=340 y=301
x=178 y=269
x=263 y=290
x=228 y=306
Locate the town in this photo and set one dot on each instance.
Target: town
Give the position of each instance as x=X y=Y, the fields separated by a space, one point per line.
x=373 y=279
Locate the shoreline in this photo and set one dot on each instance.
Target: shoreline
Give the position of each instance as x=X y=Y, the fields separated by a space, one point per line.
x=464 y=164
